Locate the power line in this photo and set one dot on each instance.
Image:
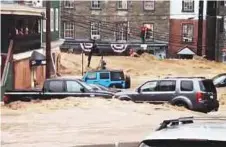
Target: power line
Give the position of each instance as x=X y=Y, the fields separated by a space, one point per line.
x=135 y=31
x=112 y=33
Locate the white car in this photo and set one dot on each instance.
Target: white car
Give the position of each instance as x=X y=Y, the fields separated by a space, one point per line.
x=189 y=132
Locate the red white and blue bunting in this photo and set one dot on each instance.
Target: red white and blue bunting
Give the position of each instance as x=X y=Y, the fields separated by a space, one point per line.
x=86 y=47
x=119 y=48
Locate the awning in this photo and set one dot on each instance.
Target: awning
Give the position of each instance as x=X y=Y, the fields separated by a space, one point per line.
x=186 y=51
x=37 y=56
x=37 y=59
x=16 y=9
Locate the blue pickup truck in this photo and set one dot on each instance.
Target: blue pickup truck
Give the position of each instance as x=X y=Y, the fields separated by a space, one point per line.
x=108 y=78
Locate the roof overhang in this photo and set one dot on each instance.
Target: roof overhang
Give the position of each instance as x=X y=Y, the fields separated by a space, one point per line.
x=16 y=9
x=186 y=51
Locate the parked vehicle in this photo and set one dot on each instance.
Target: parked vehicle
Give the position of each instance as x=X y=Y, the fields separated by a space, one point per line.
x=189 y=132
x=57 y=88
x=197 y=94
x=107 y=78
x=220 y=80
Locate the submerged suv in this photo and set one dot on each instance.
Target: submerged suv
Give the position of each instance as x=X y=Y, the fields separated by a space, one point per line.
x=194 y=93
x=107 y=78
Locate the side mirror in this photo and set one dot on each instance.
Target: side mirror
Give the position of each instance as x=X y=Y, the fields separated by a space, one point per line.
x=82 y=89
x=138 y=90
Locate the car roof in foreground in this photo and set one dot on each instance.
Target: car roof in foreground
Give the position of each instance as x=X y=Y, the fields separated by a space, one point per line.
x=209 y=128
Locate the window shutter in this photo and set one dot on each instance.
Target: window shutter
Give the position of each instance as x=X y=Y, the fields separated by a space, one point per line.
x=182 y=6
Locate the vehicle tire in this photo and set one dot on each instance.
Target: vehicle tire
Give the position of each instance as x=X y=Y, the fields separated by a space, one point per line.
x=181 y=104
x=125 y=99
x=128 y=82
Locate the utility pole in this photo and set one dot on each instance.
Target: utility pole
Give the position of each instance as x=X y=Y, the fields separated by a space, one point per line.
x=200 y=29
x=48 y=41
x=82 y=62
x=217 y=39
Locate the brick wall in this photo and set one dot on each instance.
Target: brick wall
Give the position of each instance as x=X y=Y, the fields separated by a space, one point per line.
x=175 y=41
x=109 y=14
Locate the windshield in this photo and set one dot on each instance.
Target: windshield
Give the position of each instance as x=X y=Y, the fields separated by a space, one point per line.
x=117 y=76
x=87 y=86
x=219 y=79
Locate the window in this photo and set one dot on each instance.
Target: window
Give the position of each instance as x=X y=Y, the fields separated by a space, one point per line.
x=207 y=86
x=68 y=30
x=122 y=4
x=68 y=4
x=104 y=75
x=56 y=86
x=186 y=86
x=117 y=76
x=52 y=19
x=91 y=76
x=56 y=19
x=167 y=86
x=95 y=30
x=121 y=31
x=187 y=32
x=221 y=24
x=73 y=86
x=39 y=26
x=149 y=32
x=224 y=24
x=150 y=86
x=149 y=5
x=44 y=25
x=95 y=4
x=222 y=3
x=224 y=57
x=188 y=5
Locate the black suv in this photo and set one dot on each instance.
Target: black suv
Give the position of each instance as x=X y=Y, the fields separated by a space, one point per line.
x=195 y=93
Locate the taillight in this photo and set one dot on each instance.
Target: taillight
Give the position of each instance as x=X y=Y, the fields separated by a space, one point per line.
x=199 y=96
x=5 y=99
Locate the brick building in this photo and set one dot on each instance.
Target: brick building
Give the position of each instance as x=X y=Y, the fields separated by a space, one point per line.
x=184 y=26
x=116 y=22
x=222 y=31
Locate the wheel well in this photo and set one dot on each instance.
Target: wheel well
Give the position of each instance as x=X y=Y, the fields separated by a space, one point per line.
x=126 y=98
x=181 y=103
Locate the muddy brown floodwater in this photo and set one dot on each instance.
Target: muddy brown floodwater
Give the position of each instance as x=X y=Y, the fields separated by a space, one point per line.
x=78 y=121
x=74 y=121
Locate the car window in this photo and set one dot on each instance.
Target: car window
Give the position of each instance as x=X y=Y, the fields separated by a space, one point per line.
x=91 y=75
x=207 y=86
x=168 y=85
x=56 y=86
x=104 y=75
x=117 y=76
x=150 y=86
x=219 y=79
x=73 y=86
x=186 y=86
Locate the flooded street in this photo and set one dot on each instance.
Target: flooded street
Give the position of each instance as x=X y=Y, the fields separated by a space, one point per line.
x=89 y=121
